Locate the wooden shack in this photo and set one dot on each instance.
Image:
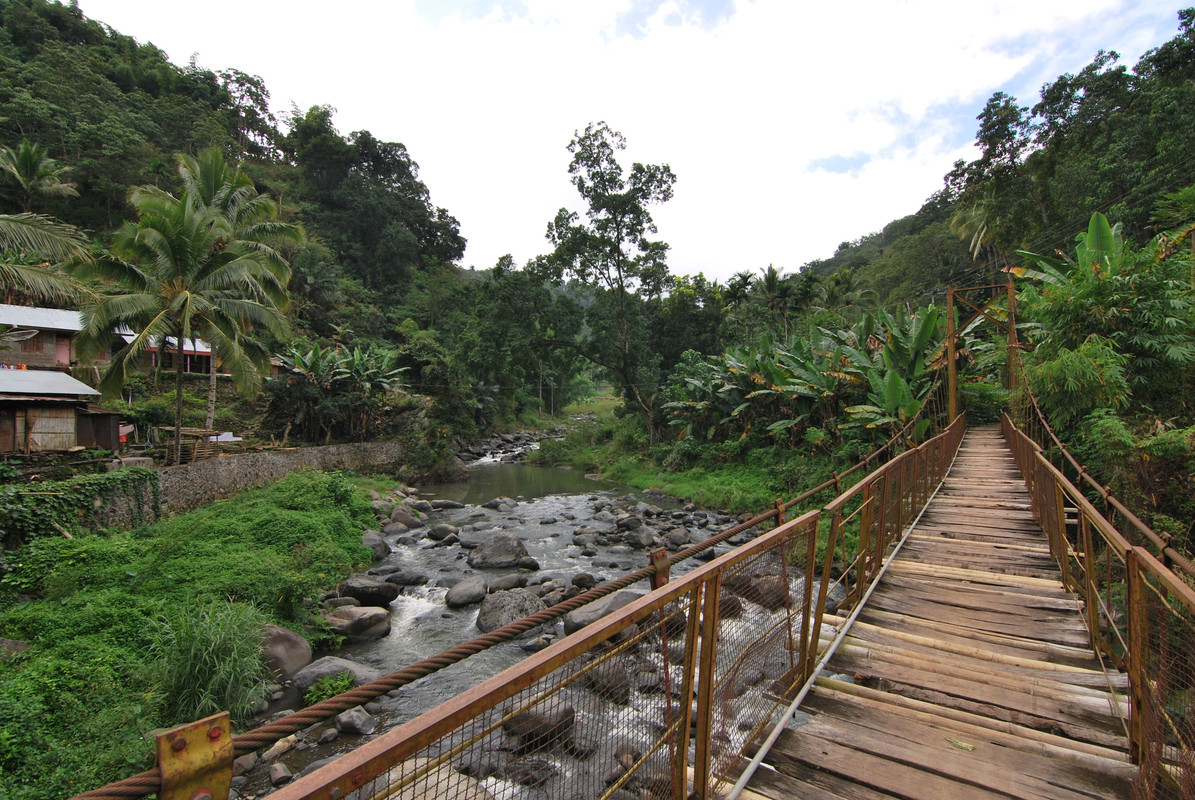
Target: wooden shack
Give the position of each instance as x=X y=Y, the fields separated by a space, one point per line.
x=39 y=410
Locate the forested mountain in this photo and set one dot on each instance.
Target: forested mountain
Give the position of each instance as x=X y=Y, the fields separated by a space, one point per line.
x=377 y=299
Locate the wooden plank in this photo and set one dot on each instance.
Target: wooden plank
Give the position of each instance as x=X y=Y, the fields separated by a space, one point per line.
x=1057 y=629
x=872 y=771
x=801 y=781
x=914 y=739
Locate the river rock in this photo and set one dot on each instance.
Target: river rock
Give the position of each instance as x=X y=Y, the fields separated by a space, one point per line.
x=498 y=502
x=528 y=771
x=370 y=591
x=285 y=651
x=502 y=550
x=641 y=538
x=440 y=505
x=584 y=581
x=356 y=720
x=331 y=665
x=407 y=577
x=628 y=523
x=280 y=774
x=769 y=591
x=513 y=581
x=406 y=517
x=610 y=681
x=395 y=529
x=360 y=623
x=374 y=541
x=243 y=764
x=441 y=531
x=467 y=592
x=502 y=608
x=420 y=505
x=537 y=730
x=591 y=612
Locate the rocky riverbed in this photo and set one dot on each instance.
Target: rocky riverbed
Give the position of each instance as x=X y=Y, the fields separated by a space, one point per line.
x=447 y=571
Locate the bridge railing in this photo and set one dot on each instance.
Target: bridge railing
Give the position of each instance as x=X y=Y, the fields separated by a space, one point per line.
x=711 y=656
x=1139 y=612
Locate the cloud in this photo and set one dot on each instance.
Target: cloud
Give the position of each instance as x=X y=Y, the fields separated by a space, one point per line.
x=791 y=126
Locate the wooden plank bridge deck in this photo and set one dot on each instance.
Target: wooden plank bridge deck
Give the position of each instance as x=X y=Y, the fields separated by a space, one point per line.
x=969 y=674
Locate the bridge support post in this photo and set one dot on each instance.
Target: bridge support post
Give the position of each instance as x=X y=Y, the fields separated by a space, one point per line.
x=951 y=357
x=659 y=560
x=196 y=760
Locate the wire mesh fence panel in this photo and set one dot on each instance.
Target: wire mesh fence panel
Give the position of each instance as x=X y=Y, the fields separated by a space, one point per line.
x=1166 y=694
x=761 y=638
x=605 y=715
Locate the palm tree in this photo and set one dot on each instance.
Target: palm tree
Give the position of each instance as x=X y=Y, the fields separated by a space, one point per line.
x=185 y=270
x=28 y=243
x=210 y=181
x=35 y=173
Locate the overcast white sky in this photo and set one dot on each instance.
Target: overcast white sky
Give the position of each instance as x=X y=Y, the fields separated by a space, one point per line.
x=791 y=125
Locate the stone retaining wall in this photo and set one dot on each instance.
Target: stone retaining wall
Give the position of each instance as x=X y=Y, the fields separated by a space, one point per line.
x=190 y=486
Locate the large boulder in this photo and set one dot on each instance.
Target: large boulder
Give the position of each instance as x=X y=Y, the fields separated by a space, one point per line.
x=500 y=551
x=591 y=612
x=503 y=608
x=285 y=651
x=406 y=516
x=374 y=541
x=360 y=623
x=441 y=531
x=538 y=730
x=331 y=665
x=370 y=591
x=356 y=720
x=469 y=591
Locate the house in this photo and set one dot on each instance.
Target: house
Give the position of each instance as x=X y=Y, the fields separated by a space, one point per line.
x=44 y=410
x=51 y=344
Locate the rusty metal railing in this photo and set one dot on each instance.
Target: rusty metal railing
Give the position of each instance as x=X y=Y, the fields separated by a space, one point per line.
x=607 y=710
x=1140 y=615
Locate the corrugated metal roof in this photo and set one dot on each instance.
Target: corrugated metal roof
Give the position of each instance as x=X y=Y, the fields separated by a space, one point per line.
x=196 y=346
x=41 y=382
x=46 y=319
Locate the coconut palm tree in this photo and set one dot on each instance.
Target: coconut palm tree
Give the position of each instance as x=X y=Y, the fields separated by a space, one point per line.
x=182 y=271
x=35 y=173
x=29 y=244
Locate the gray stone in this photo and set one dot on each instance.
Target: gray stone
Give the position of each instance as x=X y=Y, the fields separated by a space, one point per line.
x=285 y=651
x=395 y=529
x=500 y=551
x=505 y=582
x=331 y=665
x=502 y=608
x=591 y=612
x=406 y=577
x=498 y=502
x=370 y=591
x=469 y=591
x=356 y=720
x=341 y=602
x=280 y=774
x=444 y=504
x=538 y=730
x=420 y=505
x=374 y=541
x=360 y=623
x=406 y=517
x=584 y=581
x=328 y=736
x=441 y=531
x=640 y=539
x=243 y=764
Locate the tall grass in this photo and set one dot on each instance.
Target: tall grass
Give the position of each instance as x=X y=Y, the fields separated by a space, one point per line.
x=208 y=658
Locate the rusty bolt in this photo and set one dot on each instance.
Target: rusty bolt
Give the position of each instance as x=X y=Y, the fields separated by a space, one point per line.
x=215 y=732
x=179 y=744
x=202 y=794
x=335 y=793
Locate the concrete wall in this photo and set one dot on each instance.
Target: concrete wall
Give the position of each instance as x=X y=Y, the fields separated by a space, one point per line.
x=190 y=486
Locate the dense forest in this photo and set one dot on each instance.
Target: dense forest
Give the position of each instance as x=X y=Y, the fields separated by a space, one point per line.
x=376 y=311
x=326 y=252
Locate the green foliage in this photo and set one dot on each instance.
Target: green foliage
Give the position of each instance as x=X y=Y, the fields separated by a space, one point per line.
x=982 y=401
x=1073 y=383
x=328 y=686
x=208 y=658
x=27 y=512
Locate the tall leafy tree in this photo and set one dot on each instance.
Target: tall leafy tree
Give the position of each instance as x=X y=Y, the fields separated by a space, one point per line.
x=182 y=271
x=28 y=245
x=611 y=253
x=34 y=173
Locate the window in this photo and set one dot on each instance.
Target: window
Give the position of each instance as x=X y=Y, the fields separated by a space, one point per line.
x=32 y=344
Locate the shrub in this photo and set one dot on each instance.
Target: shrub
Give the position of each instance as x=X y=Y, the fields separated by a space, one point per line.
x=328 y=686
x=208 y=659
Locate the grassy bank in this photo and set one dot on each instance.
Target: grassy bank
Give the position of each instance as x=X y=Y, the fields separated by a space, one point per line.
x=114 y=620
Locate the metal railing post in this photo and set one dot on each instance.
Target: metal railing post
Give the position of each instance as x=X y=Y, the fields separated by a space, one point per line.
x=1138 y=653
x=706 y=657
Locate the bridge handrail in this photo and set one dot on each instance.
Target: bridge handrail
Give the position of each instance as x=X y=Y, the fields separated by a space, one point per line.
x=1139 y=612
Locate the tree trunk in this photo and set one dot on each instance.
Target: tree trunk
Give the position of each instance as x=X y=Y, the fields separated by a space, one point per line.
x=210 y=419
x=178 y=399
